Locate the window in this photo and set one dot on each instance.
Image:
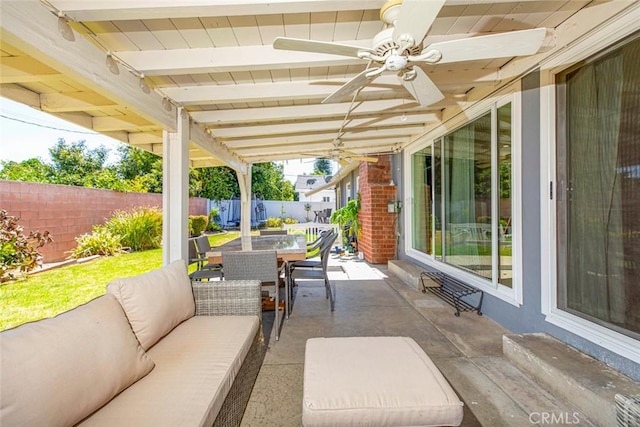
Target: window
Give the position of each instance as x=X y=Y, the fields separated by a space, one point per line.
x=598 y=189
x=461 y=197
x=326 y=199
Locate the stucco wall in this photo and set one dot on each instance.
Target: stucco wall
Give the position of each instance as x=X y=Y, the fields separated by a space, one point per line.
x=67 y=212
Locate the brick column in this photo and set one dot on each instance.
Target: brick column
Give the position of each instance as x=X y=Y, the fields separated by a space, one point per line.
x=378 y=240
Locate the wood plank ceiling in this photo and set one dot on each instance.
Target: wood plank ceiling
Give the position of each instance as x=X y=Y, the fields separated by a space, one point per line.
x=215 y=58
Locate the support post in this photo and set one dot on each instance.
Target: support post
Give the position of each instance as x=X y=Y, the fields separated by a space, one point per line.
x=244 y=182
x=175 y=191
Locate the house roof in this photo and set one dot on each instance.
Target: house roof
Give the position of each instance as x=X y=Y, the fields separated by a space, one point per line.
x=305 y=183
x=129 y=66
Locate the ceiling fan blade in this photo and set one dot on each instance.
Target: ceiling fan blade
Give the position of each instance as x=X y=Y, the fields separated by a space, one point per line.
x=416 y=17
x=286 y=43
x=422 y=88
x=365 y=159
x=349 y=87
x=356 y=156
x=513 y=43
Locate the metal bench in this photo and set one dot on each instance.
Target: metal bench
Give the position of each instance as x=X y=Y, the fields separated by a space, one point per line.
x=452 y=291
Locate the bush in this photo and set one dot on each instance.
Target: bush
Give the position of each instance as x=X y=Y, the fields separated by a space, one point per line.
x=274 y=222
x=214 y=219
x=101 y=241
x=290 y=221
x=139 y=229
x=197 y=224
x=213 y=226
x=18 y=252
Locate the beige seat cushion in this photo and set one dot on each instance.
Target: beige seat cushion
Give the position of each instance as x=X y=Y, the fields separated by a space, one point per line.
x=195 y=367
x=57 y=371
x=155 y=302
x=386 y=381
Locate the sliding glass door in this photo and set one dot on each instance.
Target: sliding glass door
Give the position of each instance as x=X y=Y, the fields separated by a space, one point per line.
x=599 y=189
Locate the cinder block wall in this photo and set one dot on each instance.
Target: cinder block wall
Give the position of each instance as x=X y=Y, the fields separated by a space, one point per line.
x=67 y=212
x=378 y=240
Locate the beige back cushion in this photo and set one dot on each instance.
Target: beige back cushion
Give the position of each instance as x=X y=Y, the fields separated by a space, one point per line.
x=155 y=302
x=55 y=372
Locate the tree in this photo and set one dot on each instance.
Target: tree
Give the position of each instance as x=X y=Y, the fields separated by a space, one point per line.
x=215 y=183
x=31 y=170
x=73 y=163
x=221 y=183
x=322 y=167
x=268 y=182
x=142 y=170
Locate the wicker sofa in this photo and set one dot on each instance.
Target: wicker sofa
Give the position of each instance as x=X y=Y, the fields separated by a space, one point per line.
x=154 y=350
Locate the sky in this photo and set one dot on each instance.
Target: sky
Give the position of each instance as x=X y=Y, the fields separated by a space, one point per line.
x=26 y=133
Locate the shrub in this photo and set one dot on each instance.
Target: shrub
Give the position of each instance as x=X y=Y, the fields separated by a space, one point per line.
x=139 y=229
x=214 y=219
x=274 y=222
x=289 y=220
x=197 y=224
x=101 y=241
x=18 y=251
x=213 y=226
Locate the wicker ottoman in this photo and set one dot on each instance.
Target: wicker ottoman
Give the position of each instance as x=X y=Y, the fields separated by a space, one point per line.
x=375 y=381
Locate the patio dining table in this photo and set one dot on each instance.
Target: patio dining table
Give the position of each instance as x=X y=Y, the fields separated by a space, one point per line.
x=287 y=247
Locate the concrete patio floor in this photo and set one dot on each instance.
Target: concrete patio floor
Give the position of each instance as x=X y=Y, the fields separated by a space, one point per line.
x=372 y=302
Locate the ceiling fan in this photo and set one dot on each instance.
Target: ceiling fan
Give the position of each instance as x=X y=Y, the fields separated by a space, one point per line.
x=338 y=154
x=399 y=48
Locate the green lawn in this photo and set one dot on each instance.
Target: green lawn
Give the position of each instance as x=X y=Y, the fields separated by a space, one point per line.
x=52 y=292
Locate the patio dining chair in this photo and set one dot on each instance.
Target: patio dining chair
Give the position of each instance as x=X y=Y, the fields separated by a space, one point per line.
x=316 y=243
x=256 y=265
x=204 y=246
x=317 y=271
x=201 y=274
x=314 y=252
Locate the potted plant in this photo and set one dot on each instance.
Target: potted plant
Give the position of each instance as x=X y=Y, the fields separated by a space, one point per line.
x=347 y=218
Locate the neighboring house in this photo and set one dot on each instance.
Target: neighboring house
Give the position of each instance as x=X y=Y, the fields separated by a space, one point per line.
x=306 y=183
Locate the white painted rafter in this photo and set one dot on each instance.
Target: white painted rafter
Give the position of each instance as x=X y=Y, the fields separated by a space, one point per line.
x=324 y=125
x=314 y=111
x=278 y=142
x=228 y=59
x=316 y=89
x=103 y=10
x=111 y=10
x=260 y=92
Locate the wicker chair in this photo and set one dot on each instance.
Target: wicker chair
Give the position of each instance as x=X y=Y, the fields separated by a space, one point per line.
x=255 y=265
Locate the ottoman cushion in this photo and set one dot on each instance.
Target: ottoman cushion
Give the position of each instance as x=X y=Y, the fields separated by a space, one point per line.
x=386 y=381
